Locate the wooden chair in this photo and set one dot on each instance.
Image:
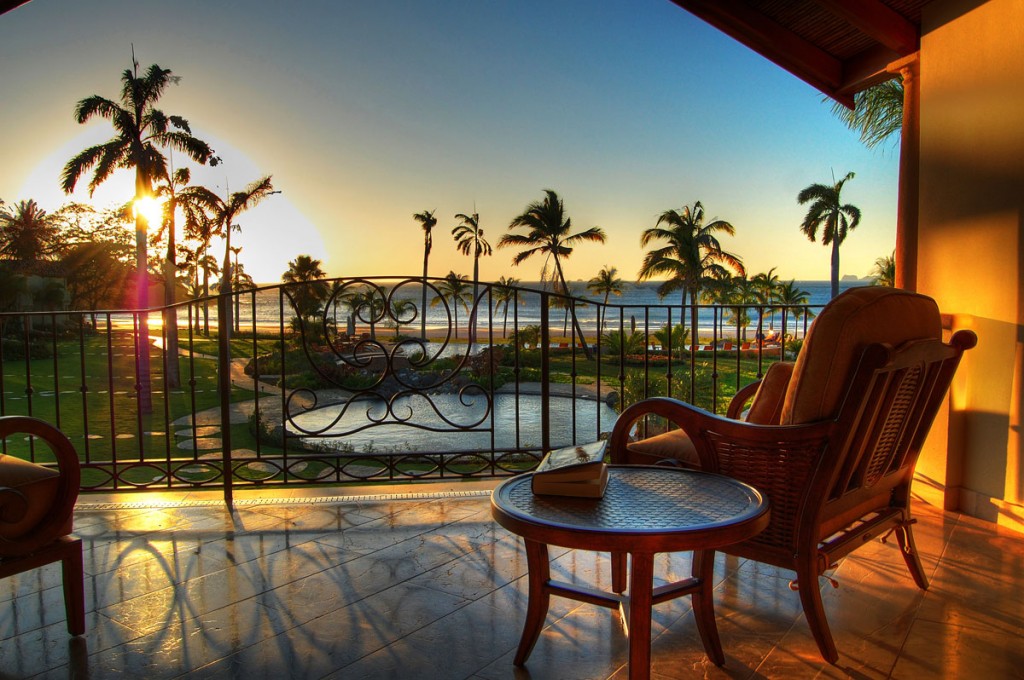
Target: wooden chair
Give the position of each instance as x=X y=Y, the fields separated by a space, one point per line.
x=832 y=441
x=36 y=507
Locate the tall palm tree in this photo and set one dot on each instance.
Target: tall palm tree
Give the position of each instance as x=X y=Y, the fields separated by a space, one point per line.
x=224 y=211
x=506 y=291
x=452 y=290
x=607 y=282
x=141 y=130
x=309 y=288
x=469 y=239
x=835 y=218
x=692 y=258
x=28 y=235
x=877 y=112
x=428 y=222
x=884 y=271
x=549 y=233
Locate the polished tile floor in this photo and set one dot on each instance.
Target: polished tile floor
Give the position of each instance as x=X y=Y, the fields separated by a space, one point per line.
x=428 y=586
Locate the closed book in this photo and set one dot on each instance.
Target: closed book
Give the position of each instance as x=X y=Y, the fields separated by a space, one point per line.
x=573 y=463
x=587 y=488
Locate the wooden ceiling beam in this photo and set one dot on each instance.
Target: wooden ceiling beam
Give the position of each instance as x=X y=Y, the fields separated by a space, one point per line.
x=774 y=42
x=868 y=68
x=8 y=5
x=876 y=20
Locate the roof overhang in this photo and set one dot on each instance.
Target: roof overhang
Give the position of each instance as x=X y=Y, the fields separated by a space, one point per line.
x=838 y=46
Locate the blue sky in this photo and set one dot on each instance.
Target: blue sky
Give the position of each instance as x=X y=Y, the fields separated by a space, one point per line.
x=367 y=112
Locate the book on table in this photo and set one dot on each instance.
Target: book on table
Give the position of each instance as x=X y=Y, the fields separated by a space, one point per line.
x=573 y=471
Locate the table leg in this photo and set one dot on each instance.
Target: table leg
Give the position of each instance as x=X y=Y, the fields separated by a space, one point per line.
x=641 y=593
x=703 y=600
x=619 y=572
x=539 y=598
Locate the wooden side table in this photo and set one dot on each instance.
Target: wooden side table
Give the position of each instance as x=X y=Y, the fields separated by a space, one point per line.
x=645 y=510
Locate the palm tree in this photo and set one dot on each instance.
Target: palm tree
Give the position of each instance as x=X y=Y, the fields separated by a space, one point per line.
x=469 y=238
x=428 y=222
x=884 y=271
x=548 y=232
x=765 y=287
x=788 y=294
x=673 y=339
x=623 y=343
x=28 y=235
x=607 y=282
x=743 y=291
x=372 y=299
x=877 y=112
x=309 y=288
x=176 y=193
x=829 y=213
x=399 y=308
x=224 y=212
x=452 y=289
x=506 y=291
x=692 y=259
x=140 y=131
x=201 y=228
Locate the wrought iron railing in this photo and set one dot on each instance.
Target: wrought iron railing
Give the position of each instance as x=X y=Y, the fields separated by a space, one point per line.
x=349 y=381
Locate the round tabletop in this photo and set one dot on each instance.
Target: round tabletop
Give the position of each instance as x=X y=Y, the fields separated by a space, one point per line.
x=645 y=508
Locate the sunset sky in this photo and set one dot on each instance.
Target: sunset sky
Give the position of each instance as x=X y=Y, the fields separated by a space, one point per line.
x=368 y=112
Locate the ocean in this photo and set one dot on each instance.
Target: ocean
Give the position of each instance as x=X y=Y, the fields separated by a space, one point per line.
x=638 y=304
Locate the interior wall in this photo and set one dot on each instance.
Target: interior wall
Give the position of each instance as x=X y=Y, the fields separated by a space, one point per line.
x=971 y=242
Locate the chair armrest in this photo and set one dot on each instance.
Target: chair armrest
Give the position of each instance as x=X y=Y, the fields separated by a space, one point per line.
x=740 y=399
x=13 y=505
x=59 y=516
x=749 y=452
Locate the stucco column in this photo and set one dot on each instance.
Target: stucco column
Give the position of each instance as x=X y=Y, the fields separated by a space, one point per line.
x=909 y=180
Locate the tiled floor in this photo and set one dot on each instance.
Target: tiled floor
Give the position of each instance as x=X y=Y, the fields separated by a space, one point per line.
x=430 y=587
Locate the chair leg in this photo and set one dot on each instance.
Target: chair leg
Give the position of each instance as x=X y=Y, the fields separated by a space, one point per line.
x=814 y=611
x=74 y=587
x=905 y=538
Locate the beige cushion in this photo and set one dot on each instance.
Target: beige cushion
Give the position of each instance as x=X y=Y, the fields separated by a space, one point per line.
x=39 y=487
x=837 y=338
x=766 y=406
x=674 y=445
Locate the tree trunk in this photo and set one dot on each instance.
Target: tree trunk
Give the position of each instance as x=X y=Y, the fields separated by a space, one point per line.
x=206 y=301
x=835 y=267
x=225 y=284
x=472 y=313
x=145 y=395
x=423 y=300
x=572 y=309
x=170 y=313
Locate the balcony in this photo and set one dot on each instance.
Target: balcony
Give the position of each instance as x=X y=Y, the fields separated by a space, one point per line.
x=322 y=565
x=380 y=584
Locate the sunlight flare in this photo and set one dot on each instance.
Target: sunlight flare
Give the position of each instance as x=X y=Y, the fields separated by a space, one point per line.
x=149 y=207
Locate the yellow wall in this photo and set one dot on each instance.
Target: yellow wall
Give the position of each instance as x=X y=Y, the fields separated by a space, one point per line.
x=971 y=256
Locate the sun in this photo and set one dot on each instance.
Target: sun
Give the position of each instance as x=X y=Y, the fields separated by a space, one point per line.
x=149 y=207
